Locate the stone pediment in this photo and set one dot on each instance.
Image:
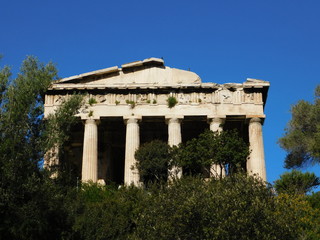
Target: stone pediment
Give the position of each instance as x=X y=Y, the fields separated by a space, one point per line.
x=159 y=99
x=149 y=72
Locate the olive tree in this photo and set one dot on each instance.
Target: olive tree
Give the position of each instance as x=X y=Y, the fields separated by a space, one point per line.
x=31 y=204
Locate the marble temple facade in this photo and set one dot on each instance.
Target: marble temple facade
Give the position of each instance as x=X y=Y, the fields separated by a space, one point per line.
x=125 y=107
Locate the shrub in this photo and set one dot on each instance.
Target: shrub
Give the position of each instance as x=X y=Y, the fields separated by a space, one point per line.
x=172 y=101
x=152 y=161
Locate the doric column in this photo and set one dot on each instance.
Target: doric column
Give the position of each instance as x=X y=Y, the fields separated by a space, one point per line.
x=90 y=151
x=174 y=139
x=216 y=125
x=131 y=174
x=255 y=163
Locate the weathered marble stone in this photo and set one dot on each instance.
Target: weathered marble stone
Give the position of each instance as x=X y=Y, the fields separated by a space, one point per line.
x=216 y=125
x=256 y=162
x=138 y=93
x=90 y=151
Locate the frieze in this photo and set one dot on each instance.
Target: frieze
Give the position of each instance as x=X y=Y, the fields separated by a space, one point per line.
x=220 y=96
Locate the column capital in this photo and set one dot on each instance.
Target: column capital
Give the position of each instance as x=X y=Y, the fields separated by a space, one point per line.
x=92 y=121
x=84 y=118
x=173 y=118
x=216 y=119
x=132 y=119
x=216 y=116
x=169 y=116
x=256 y=119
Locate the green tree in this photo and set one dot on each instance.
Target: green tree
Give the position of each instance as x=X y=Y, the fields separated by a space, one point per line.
x=153 y=161
x=32 y=206
x=235 y=207
x=57 y=131
x=296 y=182
x=296 y=213
x=226 y=149
x=314 y=200
x=302 y=135
x=105 y=212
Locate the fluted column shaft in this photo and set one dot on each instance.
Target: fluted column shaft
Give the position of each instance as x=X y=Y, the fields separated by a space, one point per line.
x=256 y=162
x=216 y=126
x=174 y=139
x=131 y=175
x=174 y=132
x=90 y=151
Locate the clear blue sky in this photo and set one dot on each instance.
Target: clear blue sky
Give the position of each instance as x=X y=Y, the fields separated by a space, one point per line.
x=222 y=41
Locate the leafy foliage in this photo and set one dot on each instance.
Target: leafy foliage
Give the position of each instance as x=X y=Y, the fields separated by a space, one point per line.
x=32 y=206
x=107 y=212
x=4 y=79
x=172 y=101
x=131 y=103
x=237 y=207
x=20 y=150
x=296 y=182
x=302 y=135
x=314 y=200
x=92 y=101
x=59 y=124
x=298 y=216
x=57 y=132
x=35 y=206
x=153 y=161
x=225 y=149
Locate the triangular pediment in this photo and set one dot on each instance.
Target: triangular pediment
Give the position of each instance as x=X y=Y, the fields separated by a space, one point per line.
x=149 y=72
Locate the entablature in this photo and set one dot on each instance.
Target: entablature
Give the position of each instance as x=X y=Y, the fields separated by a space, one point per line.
x=144 y=87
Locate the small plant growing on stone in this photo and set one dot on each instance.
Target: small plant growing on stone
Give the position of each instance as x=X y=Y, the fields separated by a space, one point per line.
x=172 y=101
x=148 y=101
x=131 y=103
x=90 y=113
x=154 y=101
x=117 y=102
x=92 y=101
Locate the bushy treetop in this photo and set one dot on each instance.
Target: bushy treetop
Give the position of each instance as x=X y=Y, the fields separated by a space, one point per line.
x=302 y=135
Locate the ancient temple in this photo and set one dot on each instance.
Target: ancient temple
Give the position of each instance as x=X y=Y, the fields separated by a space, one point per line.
x=128 y=106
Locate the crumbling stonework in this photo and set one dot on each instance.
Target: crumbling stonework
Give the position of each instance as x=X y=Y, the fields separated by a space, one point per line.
x=128 y=106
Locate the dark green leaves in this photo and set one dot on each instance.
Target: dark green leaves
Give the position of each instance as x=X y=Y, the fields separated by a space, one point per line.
x=302 y=135
x=153 y=161
x=296 y=182
x=225 y=149
x=32 y=206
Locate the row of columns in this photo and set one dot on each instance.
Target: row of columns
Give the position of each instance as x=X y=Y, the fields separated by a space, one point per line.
x=255 y=163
